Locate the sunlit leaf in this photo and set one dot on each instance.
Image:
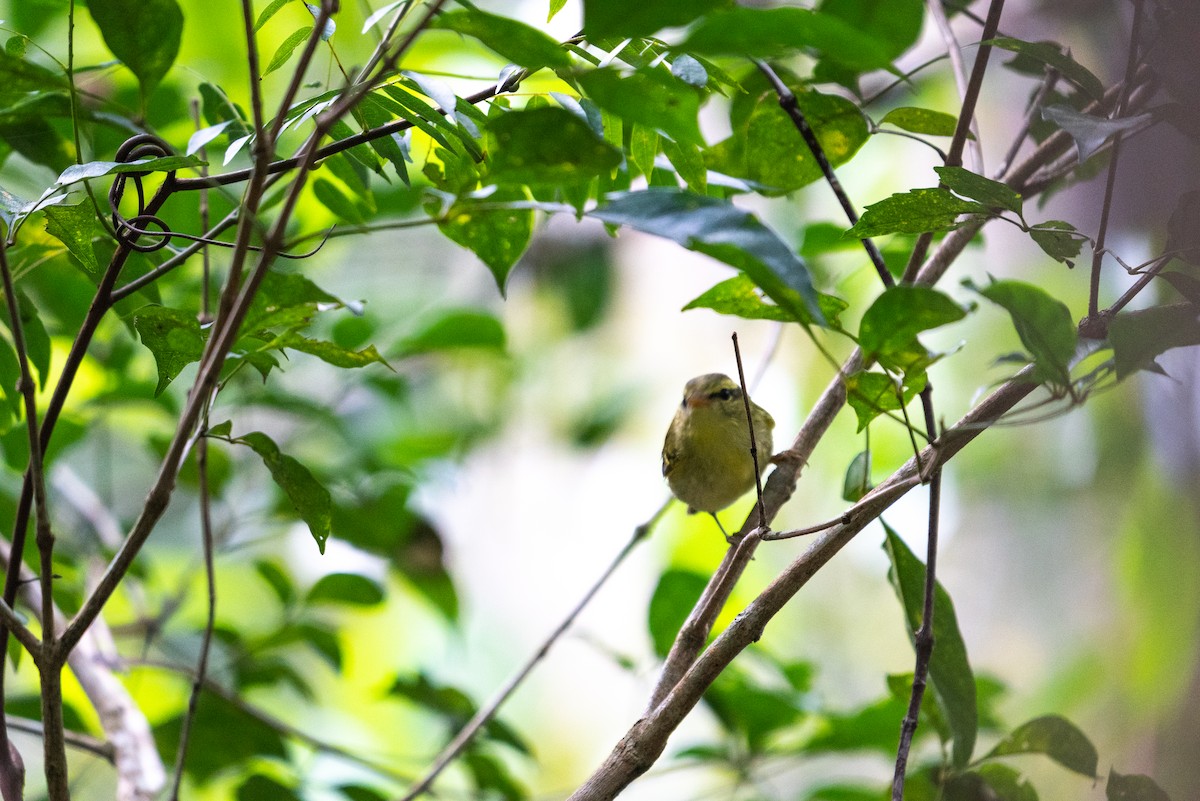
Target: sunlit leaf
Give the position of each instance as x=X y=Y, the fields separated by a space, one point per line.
x=497 y=233
x=98 y=169
x=547 y=145
x=75 y=226
x=286 y=48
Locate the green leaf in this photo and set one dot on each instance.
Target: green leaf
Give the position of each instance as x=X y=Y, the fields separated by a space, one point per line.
x=287 y=301
x=629 y=18
x=870 y=394
x=1054 y=736
x=496 y=234
x=75 y=226
x=894 y=24
x=729 y=234
x=739 y=296
x=777 y=32
x=914 y=212
x=286 y=48
x=37 y=341
x=643 y=147
x=949 y=671
x=1058 y=240
x=143 y=34
x=976 y=187
x=688 y=163
x=858 y=478
x=752 y=709
x=993 y=782
x=922 y=121
x=348 y=208
x=492 y=778
x=1043 y=323
x=331 y=353
x=453 y=329
x=1138 y=337
x=98 y=169
x=277 y=579
x=1090 y=132
x=516 y=41
x=896 y=317
x=271 y=10
x=650 y=97
x=173 y=336
x=547 y=145
x=1133 y=787
x=768 y=150
x=1054 y=55
x=346 y=588
x=230 y=737
x=260 y=787
x=309 y=497
x=689 y=70
x=674 y=596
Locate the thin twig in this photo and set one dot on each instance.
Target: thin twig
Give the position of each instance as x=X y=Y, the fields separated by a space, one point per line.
x=762 y=512
x=958 y=69
x=488 y=711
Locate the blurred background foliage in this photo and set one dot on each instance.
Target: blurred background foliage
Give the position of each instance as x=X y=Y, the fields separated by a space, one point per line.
x=485 y=474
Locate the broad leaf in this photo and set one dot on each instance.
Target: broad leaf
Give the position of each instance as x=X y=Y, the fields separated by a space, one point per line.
x=1054 y=736
x=330 y=352
x=922 y=121
x=346 y=588
x=307 y=495
x=454 y=329
x=739 y=296
x=914 y=212
x=496 y=233
x=75 y=226
x=173 y=336
x=725 y=232
x=893 y=321
x=1138 y=337
x=1051 y=54
x=1089 y=132
x=1133 y=787
x=870 y=394
x=950 y=673
x=1058 y=240
x=976 y=187
x=143 y=34
x=674 y=596
x=1043 y=323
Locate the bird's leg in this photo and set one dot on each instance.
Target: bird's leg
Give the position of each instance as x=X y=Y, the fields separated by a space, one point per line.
x=728 y=538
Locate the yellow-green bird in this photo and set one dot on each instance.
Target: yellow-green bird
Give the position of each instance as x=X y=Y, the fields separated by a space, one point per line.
x=706 y=456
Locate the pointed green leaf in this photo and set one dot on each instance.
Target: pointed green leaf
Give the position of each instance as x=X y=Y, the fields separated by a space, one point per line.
x=949 y=670
x=143 y=34
x=674 y=596
x=1058 y=240
x=331 y=353
x=914 y=212
x=857 y=482
x=1090 y=132
x=1133 y=787
x=725 y=232
x=1053 y=55
x=976 y=187
x=453 y=329
x=1042 y=321
x=1138 y=337
x=922 y=121
x=1054 y=736
x=307 y=495
x=739 y=296
x=98 y=169
x=286 y=48
x=900 y=313
x=346 y=588
x=75 y=226
x=173 y=336
x=870 y=394
x=497 y=234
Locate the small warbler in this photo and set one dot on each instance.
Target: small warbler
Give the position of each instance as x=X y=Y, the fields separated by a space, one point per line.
x=706 y=456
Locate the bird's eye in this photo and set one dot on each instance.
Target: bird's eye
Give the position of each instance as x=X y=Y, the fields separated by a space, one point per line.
x=725 y=394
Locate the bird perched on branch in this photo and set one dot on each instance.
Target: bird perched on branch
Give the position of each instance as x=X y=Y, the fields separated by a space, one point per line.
x=706 y=456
